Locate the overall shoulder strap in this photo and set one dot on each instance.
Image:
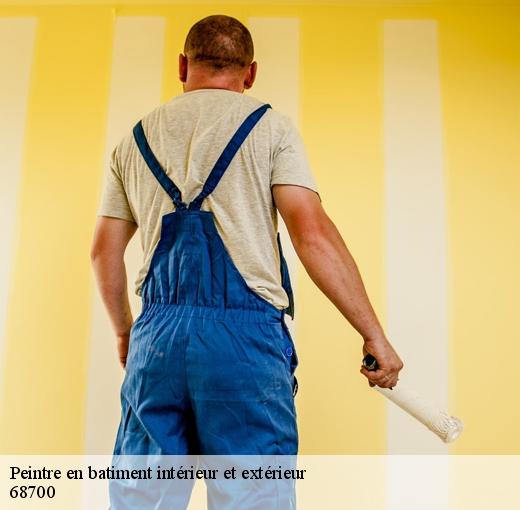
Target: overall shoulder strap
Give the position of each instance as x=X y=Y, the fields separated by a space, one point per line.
x=154 y=165
x=286 y=278
x=227 y=155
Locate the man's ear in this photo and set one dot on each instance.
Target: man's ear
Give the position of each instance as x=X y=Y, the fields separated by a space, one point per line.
x=183 y=67
x=250 y=76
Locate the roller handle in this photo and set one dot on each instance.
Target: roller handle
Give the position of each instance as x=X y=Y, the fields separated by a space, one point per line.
x=370 y=363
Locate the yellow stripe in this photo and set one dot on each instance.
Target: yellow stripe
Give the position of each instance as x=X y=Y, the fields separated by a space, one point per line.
x=481 y=62
x=49 y=306
x=341 y=118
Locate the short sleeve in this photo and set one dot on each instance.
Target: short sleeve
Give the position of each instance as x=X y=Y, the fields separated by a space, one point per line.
x=114 y=200
x=290 y=164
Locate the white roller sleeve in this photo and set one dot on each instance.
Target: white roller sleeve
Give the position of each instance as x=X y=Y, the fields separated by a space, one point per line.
x=440 y=422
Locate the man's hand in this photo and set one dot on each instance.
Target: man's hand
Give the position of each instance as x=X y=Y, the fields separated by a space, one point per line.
x=389 y=363
x=123 y=342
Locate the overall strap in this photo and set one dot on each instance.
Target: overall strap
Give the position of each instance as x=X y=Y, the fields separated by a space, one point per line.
x=227 y=155
x=155 y=167
x=286 y=279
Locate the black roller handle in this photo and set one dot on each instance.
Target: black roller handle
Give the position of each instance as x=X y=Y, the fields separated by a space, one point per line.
x=370 y=363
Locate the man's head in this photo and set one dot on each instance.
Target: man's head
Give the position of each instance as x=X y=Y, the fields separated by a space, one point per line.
x=218 y=53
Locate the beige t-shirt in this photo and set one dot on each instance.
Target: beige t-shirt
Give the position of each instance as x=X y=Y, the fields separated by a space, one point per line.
x=187 y=135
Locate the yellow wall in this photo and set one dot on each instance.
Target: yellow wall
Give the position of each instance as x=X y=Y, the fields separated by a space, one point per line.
x=48 y=308
x=481 y=63
x=341 y=122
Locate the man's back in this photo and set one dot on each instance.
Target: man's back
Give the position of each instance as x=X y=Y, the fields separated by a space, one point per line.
x=210 y=364
x=187 y=135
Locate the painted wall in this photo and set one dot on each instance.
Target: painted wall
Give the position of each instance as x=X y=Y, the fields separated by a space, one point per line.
x=411 y=118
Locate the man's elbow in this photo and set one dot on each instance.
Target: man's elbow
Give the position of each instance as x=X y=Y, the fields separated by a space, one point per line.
x=107 y=264
x=95 y=252
x=109 y=243
x=99 y=252
x=310 y=234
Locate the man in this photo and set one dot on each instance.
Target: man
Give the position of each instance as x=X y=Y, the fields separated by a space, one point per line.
x=209 y=361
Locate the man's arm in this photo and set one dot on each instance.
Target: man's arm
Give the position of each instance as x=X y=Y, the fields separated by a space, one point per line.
x=107 y=255
x=329 y=264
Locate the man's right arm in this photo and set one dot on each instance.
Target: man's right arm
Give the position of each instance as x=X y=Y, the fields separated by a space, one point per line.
x=330 y=265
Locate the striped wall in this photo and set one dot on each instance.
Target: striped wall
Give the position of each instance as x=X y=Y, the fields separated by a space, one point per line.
x=410 y=114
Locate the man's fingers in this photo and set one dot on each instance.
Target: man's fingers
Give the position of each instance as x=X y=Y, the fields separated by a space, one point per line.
x=380 y=377
x=389 y=383
x=375 y=376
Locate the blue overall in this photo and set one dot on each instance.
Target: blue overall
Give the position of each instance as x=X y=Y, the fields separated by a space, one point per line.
x=210 y=367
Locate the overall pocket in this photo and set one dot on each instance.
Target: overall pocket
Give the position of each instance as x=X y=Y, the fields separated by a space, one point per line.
x=291 y=356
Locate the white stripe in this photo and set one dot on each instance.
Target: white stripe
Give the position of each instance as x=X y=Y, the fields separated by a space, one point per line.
x=137 y=68
x=278 y=83
x=16 y=54
x=416 y=245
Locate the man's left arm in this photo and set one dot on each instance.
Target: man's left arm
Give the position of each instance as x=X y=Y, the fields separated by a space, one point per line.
x=111 y=238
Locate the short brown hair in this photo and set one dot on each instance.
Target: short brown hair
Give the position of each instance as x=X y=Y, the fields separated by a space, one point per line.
x=219 y=42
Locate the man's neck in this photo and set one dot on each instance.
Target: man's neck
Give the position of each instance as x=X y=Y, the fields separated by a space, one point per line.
x=211 y=86
x=224 y=81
